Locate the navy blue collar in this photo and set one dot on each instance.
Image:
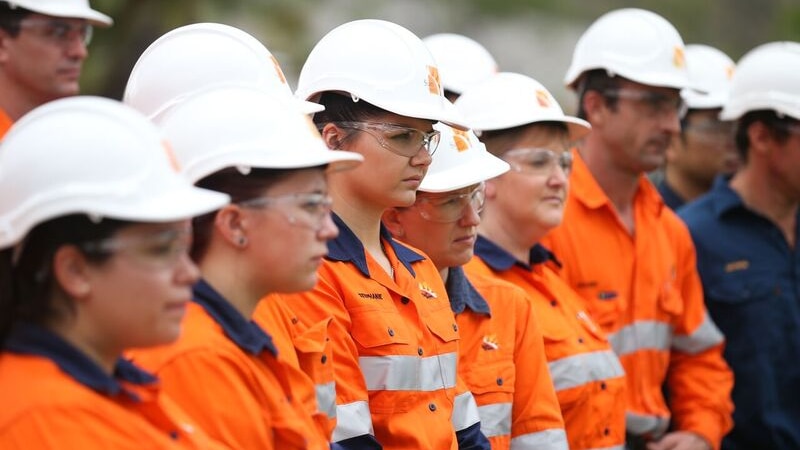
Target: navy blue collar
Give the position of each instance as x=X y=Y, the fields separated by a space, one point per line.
x=244 y=333
x=670 y=197
x=463 y=294
x=32 y=339
x=347 y=247
x=725 y=198
x=499 y=259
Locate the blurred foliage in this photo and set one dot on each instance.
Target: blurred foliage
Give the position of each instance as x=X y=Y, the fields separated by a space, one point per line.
x=290 y=28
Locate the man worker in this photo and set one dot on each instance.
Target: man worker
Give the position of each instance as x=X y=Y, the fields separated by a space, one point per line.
x=704 y=148
x=746 y=232
x=42 y=49
x=629 y=256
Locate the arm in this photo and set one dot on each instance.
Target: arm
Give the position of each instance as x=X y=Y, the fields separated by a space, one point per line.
x=466 y=420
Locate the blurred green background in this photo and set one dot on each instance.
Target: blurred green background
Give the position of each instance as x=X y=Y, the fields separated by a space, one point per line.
x=534 y=37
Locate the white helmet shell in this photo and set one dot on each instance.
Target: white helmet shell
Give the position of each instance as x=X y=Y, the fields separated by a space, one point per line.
x=245 y=127
x=710 y=72
x=462 y=61
x=766 y=78
x=632 y=43
x=93 y=156
x=197 y=56
x=381 y=63
x=77 y=9
x=509 y=100
x=460 y=161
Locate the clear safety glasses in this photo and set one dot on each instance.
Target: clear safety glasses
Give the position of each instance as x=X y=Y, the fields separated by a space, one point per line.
x=655 y=104
x=307 y=210
x=159 y=250
x=712 y=130
x=58 y=31
x=397 y=139
x=451 y=208
x=538 y=161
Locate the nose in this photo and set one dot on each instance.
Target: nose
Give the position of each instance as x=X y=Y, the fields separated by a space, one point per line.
x=76 y=47
x=329 y=230
x=422 y=158
x=671 y=121
x=187 y=271
x=471 y=217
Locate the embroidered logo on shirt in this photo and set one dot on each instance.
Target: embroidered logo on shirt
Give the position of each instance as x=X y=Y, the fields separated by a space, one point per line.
x=372 y=295
x=426 y=290
x=490 y=342
x=736 y=266
x=607 y=295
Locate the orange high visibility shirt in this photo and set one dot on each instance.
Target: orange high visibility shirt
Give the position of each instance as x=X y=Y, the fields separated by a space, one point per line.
x=55 y=397
x=395 y=345
x=644 y=290
x=5 y=123
x=587 y=376
x=503 y=362
x=308 y=348
x=225 y=371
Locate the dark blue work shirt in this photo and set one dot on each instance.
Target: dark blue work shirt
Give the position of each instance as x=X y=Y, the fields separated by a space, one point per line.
x=751 y=280
x=670 y=197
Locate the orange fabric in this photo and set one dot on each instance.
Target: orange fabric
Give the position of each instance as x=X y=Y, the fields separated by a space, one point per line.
x=5 y=123
x=377 y=316
x=44 y=408
x=593 y=412
x=502 y=360
x=240 y=399
x=648 y=279
x=307 y=348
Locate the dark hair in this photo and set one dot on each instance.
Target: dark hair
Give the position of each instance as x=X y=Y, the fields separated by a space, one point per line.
x=239 y=187
x=600 y=81
x=11 y=17
x=776 y=125
x=27 y=284
x=340 y=107
x=498 y=142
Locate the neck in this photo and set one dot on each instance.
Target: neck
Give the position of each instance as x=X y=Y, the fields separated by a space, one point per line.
x=686 y=187
x=444 y=272
x=363 y=220
x=227 y=271
x=759 y=192
x=619 y=184
x=15 y=101
x=84 y=336
x=502 y=232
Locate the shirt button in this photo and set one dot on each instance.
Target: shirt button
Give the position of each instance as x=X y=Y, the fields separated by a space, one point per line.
x=391 y=332
x=404 y=300
x=432 y=407
x=553 y=303
x=606 y=431
x=499 y=381
x=174 y=435
x=580 y=340
x=324 y=359
x=603 y=385
x=294 y=320
x=455 y=327
x=419 y=351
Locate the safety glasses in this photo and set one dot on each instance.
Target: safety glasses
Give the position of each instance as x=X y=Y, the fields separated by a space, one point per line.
x=538 y=161
x=397 y=139
x=451 y=208
x=656 y=104
x=159 y=250
x=58 y=31
x=307 y=210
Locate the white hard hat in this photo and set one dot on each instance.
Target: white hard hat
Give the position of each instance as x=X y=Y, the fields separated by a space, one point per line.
x=766 y=78
x=78 y=9
x=245 y=127
x=93 y=156
x=632 y=43
x=710 y=71
x=194 y=57
x=462 y=61
x=461 y=160
x=381 y=63
x=509 y=100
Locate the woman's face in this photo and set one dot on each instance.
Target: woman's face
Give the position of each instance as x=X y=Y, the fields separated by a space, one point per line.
x=137 y=298
x=395 y=160
x=287 y=231
x=533 y=193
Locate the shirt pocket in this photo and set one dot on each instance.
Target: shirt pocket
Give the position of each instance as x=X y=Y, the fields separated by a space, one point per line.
x=491 y=378
x=374 y=328
x=442 y=323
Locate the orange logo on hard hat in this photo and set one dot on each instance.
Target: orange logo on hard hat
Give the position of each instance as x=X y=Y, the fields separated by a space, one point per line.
x=678 y=58
x=278 y=69
x=461 y=139
x=173 y=160
x=433 y=81
x=542 y=98
x=729 y=72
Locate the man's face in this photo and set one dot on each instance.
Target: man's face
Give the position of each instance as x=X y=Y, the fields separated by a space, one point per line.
x=44 y=60
x=705 y=147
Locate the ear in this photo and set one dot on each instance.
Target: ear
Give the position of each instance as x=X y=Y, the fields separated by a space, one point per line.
x=333 y=136
x=595 y=106
x=760 y=139
x=674 y=147
x=232 y=224
x=490 y=188
x=392 y=220
x=70 y=272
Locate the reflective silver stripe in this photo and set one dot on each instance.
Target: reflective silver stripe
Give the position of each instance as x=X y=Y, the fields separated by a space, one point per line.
x=465 y=412
x=495 y=419
x=409 y=373
x=577 y=370
x=639 y=424
x=352 y=420
x=707 y=335
x=326 y=398
x=641 y=335
x=553 y=439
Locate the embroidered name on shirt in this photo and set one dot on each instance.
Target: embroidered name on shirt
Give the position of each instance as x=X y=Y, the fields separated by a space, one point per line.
x=426 y=291
x=371 y=295
x=490 y=342
x=736 y=266
x=607 y=295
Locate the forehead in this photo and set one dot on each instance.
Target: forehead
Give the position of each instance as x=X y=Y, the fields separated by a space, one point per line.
x=45 y=18
x=703 y=115
x=410 y=122
x=628 y=84
x=462 y=191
